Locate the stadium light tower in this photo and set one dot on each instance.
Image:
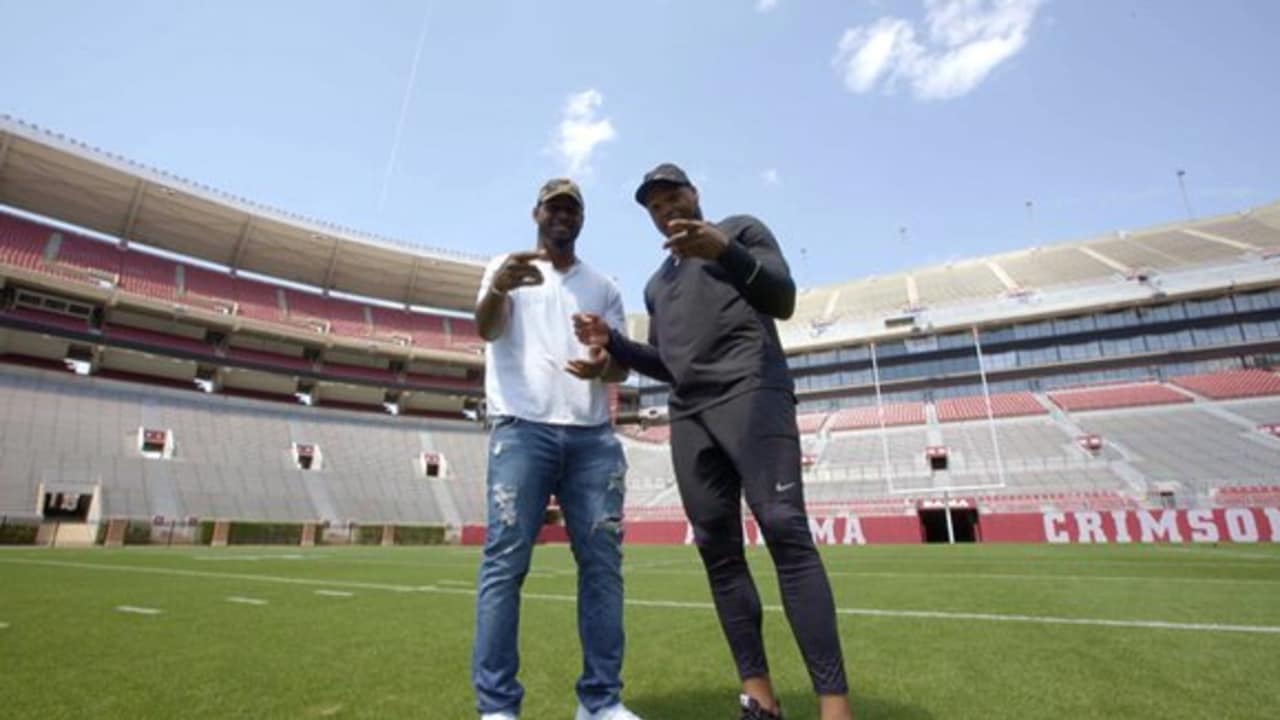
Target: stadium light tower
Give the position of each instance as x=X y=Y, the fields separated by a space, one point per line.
x=1182 y=186
x=1031 y=222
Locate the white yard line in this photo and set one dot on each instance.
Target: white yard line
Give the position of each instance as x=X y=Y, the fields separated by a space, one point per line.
x=254 y=558
x=1050 y=620
x=180 y=572
x=246 y=600
x=138 y=610
x=863 y=612
x=947 y=615
x=335 y=593
x=1069 y=578
x=468 y=563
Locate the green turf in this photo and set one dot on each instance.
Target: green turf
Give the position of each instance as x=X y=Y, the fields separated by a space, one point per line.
x=399 y=646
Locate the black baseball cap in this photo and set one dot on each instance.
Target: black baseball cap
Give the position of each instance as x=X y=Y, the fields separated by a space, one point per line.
x=669 y=173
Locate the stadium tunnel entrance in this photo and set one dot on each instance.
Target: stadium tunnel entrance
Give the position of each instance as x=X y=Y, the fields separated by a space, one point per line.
x=65 y=504
x=964 y=524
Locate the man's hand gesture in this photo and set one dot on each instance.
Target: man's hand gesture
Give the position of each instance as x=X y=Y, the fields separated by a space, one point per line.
x=591 y=330
x=592 y=367
x=695 y=238
x=518 y=271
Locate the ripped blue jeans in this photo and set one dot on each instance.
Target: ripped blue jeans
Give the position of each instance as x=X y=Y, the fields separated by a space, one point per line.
x=585 y=468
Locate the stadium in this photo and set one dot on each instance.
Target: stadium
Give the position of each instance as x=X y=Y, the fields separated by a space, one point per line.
x=220 y=366
x=191 y=371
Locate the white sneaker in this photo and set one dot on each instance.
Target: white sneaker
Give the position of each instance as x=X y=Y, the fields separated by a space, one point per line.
x=613 y=712
x=499 y=716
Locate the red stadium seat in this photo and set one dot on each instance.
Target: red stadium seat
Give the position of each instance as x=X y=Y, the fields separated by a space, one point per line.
x=1103 y=398
x=1002 y=405
x=868 y=416
x=149 y=276
x=809 y=423
x=209 y=289
x=22 y=242
x=1227 y=385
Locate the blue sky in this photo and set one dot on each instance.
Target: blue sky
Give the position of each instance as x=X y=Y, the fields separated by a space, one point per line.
x=835 y=121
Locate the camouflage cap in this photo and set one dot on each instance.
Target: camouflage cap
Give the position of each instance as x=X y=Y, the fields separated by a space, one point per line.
x=560 y=186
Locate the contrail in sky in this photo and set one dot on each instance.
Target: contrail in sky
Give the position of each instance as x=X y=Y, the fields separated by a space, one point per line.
x=404 y=108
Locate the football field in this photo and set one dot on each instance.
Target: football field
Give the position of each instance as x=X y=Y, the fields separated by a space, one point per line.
x=929 y=632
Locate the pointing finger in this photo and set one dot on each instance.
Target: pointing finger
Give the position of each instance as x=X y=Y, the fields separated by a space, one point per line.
x=528 y=256
x=678 y=239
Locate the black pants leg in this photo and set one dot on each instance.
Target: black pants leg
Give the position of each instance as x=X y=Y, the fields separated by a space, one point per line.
x=711 y=492
x=749 y=446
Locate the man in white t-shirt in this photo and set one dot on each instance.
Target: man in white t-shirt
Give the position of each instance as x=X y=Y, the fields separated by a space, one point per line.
x=550 y=435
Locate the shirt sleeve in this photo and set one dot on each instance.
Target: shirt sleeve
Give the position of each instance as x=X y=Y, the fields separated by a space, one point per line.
x=641 y=357
x=757 y=269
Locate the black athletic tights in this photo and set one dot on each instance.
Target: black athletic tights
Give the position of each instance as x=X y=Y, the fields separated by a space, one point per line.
x=749 y=445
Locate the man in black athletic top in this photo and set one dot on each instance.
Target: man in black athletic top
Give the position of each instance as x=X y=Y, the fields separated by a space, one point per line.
x=712 y=305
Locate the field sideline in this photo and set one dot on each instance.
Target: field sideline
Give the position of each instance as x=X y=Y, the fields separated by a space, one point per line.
x=930 y=632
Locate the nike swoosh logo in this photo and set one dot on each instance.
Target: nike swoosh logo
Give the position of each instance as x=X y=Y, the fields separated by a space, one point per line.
x=783 y=488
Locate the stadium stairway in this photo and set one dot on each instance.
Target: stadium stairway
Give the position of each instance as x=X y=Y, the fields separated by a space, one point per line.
x=72 y=534
x=318 y=493
x=817 y=447
x=444 y=499
x=159 y=487
x=933 y=428
x=1121 y=466
x=1219 y=410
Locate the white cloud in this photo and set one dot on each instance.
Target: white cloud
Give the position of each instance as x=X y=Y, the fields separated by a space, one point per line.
x=770 y=176
x=581 y=131
x=764 y=6
x=868 y=53
x=965 y=40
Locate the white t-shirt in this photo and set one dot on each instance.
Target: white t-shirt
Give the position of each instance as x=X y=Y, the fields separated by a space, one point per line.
x=524 y=366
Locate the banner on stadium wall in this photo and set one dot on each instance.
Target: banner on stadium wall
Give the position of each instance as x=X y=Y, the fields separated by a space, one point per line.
x=827 y=530
x=1236 y=525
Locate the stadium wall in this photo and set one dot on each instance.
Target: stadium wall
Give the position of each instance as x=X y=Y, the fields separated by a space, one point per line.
x=1237 y=525
x=1234 y=525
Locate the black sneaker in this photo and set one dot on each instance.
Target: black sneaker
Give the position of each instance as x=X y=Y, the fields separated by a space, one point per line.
x=751 y=710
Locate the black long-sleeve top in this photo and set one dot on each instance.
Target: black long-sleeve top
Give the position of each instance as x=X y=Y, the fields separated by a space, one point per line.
x=711 y=323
